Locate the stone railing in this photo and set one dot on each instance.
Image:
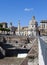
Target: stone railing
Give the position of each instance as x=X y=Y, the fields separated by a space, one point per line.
x=25 y=61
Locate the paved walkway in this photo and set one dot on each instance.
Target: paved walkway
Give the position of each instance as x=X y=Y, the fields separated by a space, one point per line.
x=44 y=38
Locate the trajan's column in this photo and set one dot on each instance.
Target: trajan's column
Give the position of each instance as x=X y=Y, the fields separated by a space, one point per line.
x=19 y=27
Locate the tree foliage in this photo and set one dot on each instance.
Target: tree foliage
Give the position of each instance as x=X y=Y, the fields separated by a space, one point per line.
x=0 y=25
x=5 y=29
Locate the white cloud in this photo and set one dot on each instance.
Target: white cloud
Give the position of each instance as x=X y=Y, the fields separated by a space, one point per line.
x=28 y=9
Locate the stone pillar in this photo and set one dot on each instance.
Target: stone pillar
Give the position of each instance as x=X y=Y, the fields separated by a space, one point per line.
x=19 y=27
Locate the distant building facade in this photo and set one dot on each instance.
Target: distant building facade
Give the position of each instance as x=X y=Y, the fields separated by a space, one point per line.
x=4 y=24
x=43 y=27
x=31 y=30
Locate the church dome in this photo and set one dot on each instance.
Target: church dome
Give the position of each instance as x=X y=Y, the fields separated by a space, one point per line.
x=33 y=21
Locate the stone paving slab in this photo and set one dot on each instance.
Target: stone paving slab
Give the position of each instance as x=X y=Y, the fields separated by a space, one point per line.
x=11 y=61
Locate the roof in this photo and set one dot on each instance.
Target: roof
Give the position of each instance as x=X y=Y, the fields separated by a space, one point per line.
x=3 y=22
x=22 y=28
x=25 y=27
x=43 y=21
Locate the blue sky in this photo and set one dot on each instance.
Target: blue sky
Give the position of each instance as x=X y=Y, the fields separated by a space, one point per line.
x=23 y=10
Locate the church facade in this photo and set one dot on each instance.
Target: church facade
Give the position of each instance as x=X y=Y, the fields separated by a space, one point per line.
x=33 y=26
